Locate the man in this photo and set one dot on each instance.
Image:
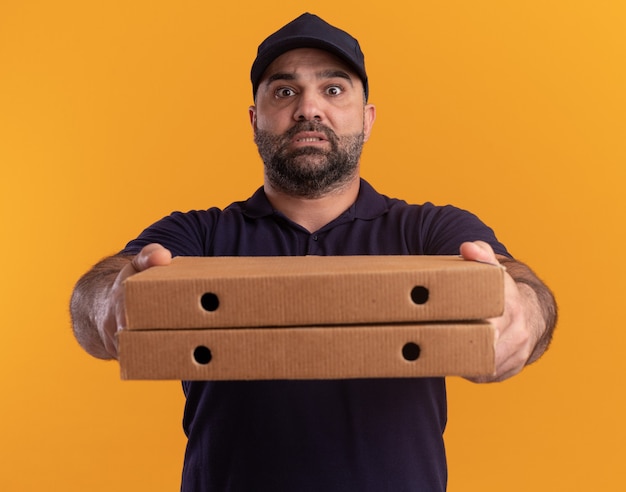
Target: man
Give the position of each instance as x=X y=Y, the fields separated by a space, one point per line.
x=310 y=120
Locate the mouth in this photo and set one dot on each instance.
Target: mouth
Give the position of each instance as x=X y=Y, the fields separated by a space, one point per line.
x=309 y=138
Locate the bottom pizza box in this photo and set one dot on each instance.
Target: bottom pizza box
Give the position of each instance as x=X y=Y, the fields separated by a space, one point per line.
x=332 y=352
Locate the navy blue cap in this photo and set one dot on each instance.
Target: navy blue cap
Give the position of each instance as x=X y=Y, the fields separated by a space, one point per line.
x=309 y=31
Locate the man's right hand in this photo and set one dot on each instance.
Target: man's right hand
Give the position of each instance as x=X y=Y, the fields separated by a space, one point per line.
x=113 y=313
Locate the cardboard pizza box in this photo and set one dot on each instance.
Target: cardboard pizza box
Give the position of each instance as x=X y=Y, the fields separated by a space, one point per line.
x=324 y=352
x=225 y=292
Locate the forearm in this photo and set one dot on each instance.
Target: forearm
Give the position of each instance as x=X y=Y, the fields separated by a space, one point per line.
x=541 y=308
x=90 y=306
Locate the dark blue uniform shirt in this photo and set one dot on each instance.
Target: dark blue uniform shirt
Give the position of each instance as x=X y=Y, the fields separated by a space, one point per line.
x=325 y=436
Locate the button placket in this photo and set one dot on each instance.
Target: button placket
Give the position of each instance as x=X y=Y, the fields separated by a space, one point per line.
x=314 y=244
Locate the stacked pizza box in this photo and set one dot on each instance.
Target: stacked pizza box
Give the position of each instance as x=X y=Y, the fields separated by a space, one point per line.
x=311 y=317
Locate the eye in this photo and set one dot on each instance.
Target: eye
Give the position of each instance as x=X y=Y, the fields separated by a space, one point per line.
x=284 y=92
x=334 y=90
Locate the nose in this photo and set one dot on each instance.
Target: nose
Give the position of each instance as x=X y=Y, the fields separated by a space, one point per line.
x=309 y=107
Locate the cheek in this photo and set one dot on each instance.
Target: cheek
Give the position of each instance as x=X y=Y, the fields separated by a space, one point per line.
x=271 y=122
x=272 y=117
x=346 y=118
x=349 y=125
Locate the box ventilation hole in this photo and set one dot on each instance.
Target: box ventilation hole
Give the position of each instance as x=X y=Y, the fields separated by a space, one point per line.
x=419 y=294
x=202 y=355
x=411 y=351
x=210 y=301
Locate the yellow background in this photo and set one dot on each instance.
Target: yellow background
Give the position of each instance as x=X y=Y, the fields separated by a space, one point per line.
x=113 y=114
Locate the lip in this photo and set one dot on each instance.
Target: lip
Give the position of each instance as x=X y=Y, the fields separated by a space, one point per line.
x=309 y=138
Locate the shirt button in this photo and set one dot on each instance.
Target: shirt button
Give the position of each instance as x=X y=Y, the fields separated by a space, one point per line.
x=314 y=237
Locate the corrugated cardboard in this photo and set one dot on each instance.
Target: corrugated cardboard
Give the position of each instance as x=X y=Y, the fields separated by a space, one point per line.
x=221 y=292
x=309 y=352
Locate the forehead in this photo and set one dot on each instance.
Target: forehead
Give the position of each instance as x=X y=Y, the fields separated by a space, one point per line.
x=307 y=59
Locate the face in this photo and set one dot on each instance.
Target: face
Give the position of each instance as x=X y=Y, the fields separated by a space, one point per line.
x=310 y=122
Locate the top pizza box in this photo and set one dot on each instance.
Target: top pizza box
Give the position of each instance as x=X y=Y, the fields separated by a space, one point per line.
x=231 y=292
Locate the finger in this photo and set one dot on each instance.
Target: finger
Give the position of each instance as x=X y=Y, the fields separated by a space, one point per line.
x=504 y=370
x=151 y=255
x=478 y=251
x=110 y=343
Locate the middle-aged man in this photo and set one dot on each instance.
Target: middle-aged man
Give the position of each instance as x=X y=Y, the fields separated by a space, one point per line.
x=310 y=120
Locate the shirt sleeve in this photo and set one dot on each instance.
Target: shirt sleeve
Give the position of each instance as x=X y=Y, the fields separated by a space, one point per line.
x=443 y=229
x=184 y=234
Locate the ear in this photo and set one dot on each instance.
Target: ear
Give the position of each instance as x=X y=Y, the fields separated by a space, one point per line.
x=369 y=116
x=252 y=113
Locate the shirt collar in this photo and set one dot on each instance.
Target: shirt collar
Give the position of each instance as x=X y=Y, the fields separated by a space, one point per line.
x=257 y=205
x=368 y=205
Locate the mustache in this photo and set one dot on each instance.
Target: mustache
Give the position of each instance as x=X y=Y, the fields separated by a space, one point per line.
x=311 y=126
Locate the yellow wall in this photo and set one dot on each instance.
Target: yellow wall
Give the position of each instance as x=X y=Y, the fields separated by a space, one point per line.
x=115 y=113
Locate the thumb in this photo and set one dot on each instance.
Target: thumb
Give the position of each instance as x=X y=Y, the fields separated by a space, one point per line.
x=478 y=251
x=151 y=255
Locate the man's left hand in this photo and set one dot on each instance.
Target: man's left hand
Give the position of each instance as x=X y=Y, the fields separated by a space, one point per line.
x=519 y=329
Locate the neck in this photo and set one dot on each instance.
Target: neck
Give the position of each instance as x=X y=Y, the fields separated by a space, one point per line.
x=314 y=213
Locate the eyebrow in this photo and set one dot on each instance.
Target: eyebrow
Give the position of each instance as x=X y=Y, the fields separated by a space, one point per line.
x=333 y=74
x=325 y=74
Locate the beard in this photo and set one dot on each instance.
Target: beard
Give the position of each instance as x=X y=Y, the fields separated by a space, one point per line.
x=309 y=172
